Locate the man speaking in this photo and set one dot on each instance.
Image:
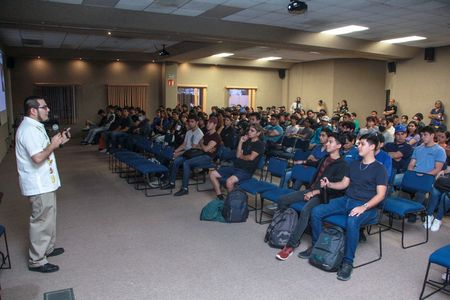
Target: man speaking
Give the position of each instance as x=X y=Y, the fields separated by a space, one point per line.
x=39 y=180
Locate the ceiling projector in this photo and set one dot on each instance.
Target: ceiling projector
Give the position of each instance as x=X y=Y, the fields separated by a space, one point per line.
x=164 y=52
x=297 y=7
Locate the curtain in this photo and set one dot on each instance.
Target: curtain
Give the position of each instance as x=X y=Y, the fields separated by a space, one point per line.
x=61 y=100
x=252 y=98
x=128 y=95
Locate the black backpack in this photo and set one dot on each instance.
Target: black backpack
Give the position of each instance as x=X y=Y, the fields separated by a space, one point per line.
x=235 y=207
x=281 y=227
x=328 y=252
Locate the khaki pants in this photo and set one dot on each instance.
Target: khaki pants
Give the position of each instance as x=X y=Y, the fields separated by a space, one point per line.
x=42 y=228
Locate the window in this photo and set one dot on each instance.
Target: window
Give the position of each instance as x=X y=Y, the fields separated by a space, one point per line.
x=241 y=96
x=192 y=96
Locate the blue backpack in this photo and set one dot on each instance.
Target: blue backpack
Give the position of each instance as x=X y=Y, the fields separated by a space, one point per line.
x=235 y=207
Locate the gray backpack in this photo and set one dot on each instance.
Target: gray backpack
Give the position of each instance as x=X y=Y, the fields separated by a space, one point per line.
x=328 y=252
x=281 y=227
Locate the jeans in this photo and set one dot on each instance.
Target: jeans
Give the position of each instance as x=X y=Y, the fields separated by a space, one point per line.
x=439 y=201
x=286 y=201
x=188 y=164
x=92 y=133
x=343 y=206
x=117 y=137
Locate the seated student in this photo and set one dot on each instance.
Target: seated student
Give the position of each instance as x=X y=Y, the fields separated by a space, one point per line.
x=229 y=138
x=248 y=153
x=320 y=150
x=399 y=150
x=273 y=131
x=371 y=127
x=386 y=127
x=331 y=166
x=427 y=158
x=106 y=121
x=440 y=202
x=349 y=151
x=209 y=144
x=382 y=156
x=191 y=140
x=324 y=124
x=366 y=184
x=112 y=137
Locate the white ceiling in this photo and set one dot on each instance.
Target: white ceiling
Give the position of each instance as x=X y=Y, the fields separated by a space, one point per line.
x=385 y=18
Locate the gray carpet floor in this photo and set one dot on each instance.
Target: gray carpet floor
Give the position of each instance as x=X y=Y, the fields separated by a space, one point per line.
x=121 y=245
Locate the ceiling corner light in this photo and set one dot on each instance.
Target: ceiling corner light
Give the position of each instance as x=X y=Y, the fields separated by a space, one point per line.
x=404 y=39
x=345 y=30
x=109 y=33
x=269 y=58
x=297 y=7
x=224 y=54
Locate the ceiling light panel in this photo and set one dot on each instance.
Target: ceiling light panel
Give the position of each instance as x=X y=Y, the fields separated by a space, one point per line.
x=224 y=54
x=345 y=30
x=404 y=39
x=270 y=58
x=133 y=5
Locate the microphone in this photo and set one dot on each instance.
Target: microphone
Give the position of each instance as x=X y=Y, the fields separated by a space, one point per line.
x=55 y=127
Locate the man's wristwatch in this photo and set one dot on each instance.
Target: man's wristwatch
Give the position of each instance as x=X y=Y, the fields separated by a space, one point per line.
x=366 y=206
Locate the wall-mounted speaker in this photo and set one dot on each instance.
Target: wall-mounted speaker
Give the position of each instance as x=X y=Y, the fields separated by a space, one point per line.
x=429 y=54
x=392 y=67
x=10 y=62
x=282 y=73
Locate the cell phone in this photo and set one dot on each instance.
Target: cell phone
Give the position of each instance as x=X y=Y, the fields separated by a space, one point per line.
x=65 y=131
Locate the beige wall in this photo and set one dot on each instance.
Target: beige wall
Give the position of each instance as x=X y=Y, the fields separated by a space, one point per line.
x=361 y=82
x=92 y=77
x=267 y=82
x=417 y=84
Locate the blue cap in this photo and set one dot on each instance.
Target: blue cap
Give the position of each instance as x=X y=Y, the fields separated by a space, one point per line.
x=400 y=128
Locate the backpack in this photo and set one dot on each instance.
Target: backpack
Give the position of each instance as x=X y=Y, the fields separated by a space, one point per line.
x=213 y=211
x=328 y=252
x=235 y=207
x=281 y=227
x=443 y=184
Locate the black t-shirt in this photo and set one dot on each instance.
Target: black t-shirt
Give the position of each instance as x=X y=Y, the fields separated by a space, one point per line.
x=364 y=180
x=247 y=148
x=391 y=107
x=228 y=135
x=212 y=137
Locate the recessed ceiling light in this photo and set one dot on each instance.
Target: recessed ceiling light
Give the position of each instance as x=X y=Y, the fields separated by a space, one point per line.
x=80 y=58
x=314 y=52
x=345 y=30
x=224 y=54
x=117 y=59
x=270 y=58
x=109 y=32
x=39 y=57
x=404 y=39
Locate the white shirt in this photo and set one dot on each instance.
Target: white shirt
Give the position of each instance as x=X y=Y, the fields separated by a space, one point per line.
x=294 y=106
x=35 y=179
x=192 y=138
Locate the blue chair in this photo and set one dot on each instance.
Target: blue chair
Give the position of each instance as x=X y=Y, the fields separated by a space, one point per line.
x=277 y=168
x=301 y=175
x=341 y=221
x=301 y=155
x=401 y=208
x=439 y=257
x=6 y=261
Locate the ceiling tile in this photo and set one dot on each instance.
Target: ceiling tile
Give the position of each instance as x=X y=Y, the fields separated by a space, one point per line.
x=102 y=3
x=133 y=4
x=197 y=5
x=67 y=1
x=188 y=12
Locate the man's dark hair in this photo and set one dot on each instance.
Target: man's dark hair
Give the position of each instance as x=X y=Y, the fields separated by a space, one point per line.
x=256 y=114
x=354 y=114
x=348 y=124
x=294 y=117
x=29 y=103
x=372 y=139
x=326 y=130
x=351 y=137
x=371 y=119
x=340 y=138
x=419 y=116
x=276 y=116
x=390 y=119
x=193 y=117
x=100 y=112
x=429 y=129
x=348 y=115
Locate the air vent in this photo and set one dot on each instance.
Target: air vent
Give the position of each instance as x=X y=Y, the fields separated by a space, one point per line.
x=32 y=42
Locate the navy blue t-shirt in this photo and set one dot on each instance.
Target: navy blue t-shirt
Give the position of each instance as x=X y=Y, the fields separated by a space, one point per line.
x=364 y=180
x=405 y=149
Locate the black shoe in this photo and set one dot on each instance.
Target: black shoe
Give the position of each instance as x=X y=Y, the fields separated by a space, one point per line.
x=56 y=252
x=305 y=254
x=168 y=186
x=181 y=192
x=345 y=272
x=47 y=268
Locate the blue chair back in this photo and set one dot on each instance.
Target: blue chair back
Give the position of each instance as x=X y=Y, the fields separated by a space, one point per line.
x=303 y=174
x=417 y=182
x=277 y=167
x=301 y=155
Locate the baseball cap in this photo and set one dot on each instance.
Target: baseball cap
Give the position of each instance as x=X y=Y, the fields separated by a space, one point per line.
x=325 y=119
x=400 y=128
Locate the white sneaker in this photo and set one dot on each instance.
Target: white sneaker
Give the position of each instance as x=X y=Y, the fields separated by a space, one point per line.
x=436 y=225
x=445 y=275
x=429 y=222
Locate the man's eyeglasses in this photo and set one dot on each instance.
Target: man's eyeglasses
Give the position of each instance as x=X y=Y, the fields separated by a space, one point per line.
x=45 y=107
